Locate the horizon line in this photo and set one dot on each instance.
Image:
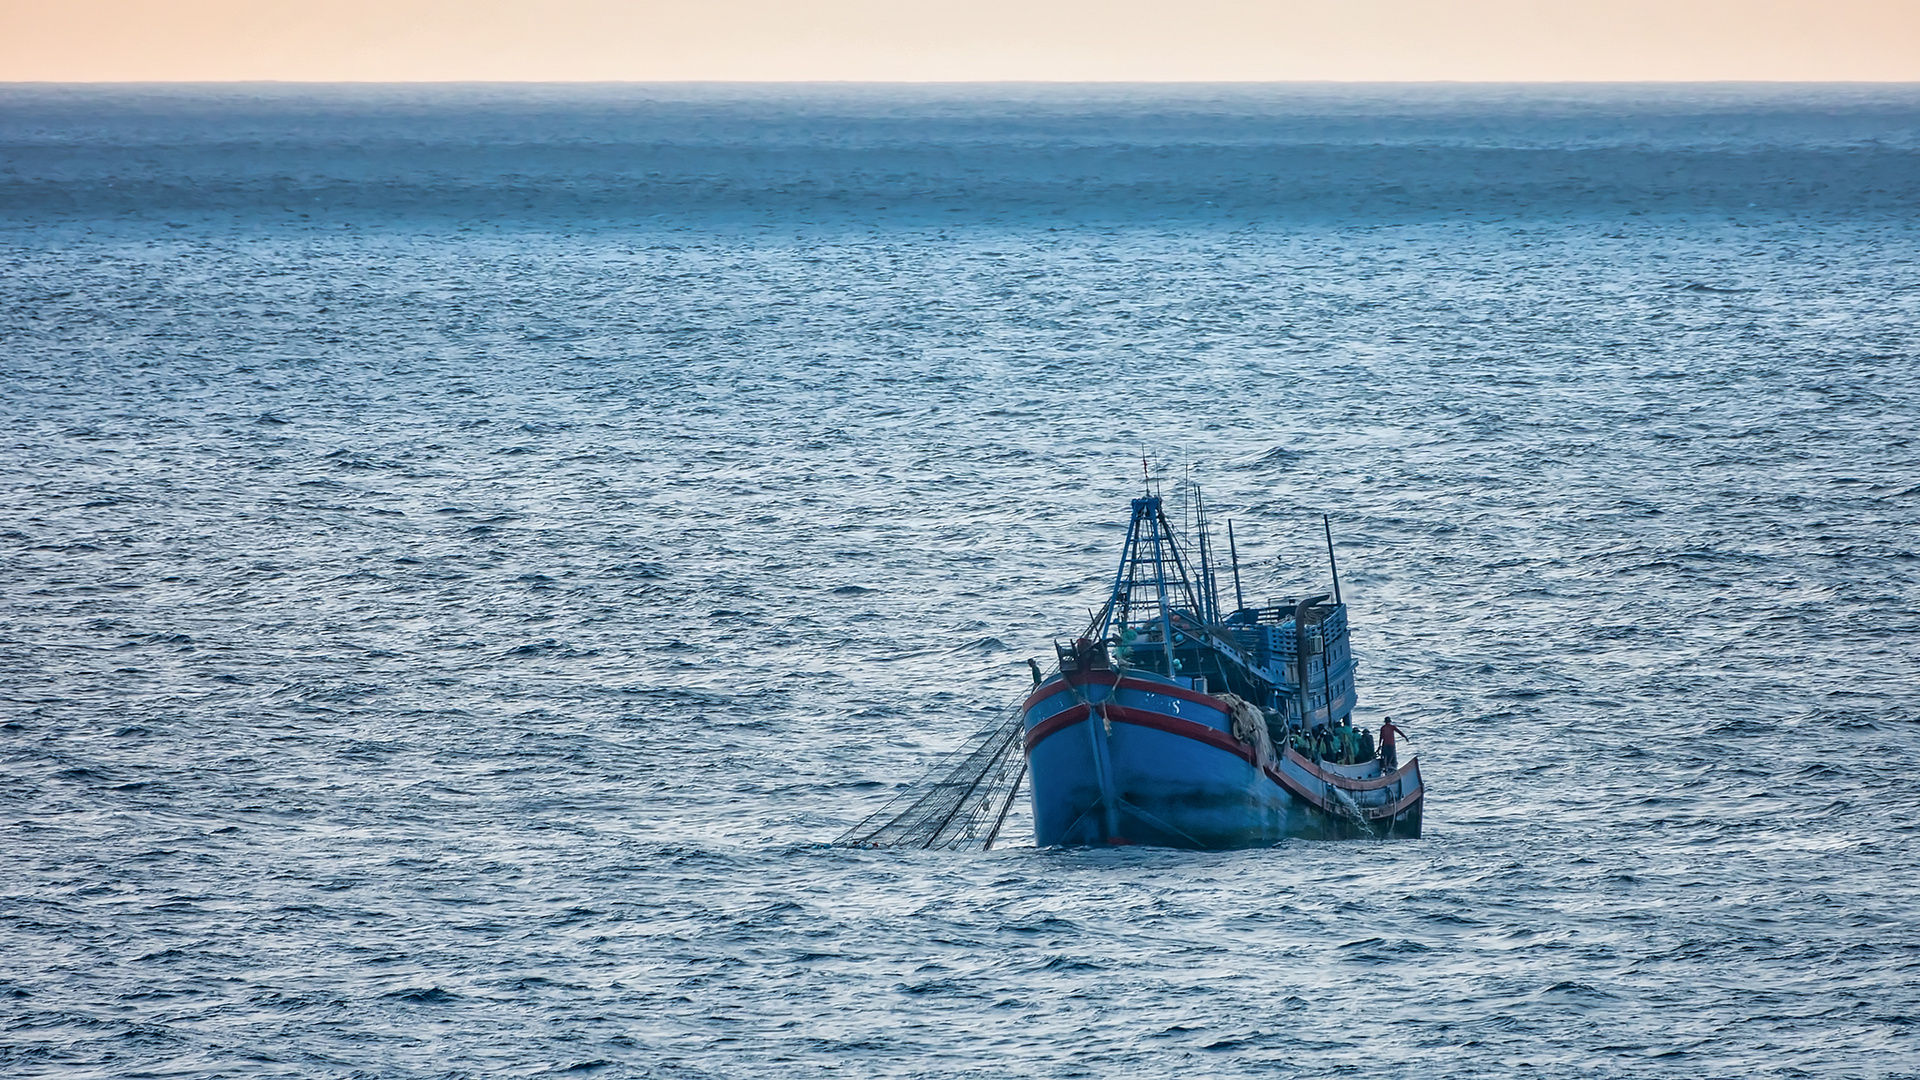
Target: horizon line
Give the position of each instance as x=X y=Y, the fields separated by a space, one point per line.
x=960 y=82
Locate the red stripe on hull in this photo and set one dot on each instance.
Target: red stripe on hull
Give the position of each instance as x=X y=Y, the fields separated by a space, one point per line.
x=1348 y=782
x=1394 y=810
x=1120 y=714
x=1114 y=678
x=1058 y=721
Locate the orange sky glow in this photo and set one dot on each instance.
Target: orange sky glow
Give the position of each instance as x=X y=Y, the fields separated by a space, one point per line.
x=959 y=40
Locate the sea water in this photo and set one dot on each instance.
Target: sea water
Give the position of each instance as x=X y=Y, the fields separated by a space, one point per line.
x=467 y=551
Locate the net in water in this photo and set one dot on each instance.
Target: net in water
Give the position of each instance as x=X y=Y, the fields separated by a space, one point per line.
x=962 y=802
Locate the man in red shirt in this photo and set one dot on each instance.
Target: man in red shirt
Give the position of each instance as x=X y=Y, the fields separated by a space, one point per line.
x=1389 y=760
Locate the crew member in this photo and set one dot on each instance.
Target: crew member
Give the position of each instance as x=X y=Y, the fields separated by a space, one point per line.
x=1389 y=760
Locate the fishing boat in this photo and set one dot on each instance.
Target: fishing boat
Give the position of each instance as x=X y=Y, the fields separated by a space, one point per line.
x=1171 y=723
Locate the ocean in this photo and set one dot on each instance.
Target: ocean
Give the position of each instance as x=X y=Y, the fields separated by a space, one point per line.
x=467 y=551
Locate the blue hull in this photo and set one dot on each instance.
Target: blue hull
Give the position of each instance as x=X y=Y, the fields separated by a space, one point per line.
x=1141 y=759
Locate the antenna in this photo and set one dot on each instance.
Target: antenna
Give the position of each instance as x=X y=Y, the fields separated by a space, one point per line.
x=1147 y=477
x=1334 y=566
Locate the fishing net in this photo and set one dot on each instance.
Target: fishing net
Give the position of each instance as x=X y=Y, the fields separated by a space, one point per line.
x=963 y=800
x=1250 y=727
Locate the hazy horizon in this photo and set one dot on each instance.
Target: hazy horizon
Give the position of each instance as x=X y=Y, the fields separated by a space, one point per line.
x=976 y=82
x=1071 y=41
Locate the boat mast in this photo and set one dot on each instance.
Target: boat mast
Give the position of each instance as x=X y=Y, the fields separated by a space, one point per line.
x=1151 y=572
x=1160 y=544
x=1150 y=543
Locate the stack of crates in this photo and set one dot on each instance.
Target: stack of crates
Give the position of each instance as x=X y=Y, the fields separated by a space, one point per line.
x=1252 y=640
x=1268 y=644
x=1334 y=625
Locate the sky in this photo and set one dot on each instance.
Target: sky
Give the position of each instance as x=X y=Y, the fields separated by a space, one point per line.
x=960 y=40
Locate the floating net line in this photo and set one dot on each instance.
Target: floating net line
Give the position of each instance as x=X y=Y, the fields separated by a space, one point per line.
x=963 y=800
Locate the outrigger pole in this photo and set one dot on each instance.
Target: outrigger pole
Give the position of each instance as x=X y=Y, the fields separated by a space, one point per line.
x=1209 y=587
x=1239 y=598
